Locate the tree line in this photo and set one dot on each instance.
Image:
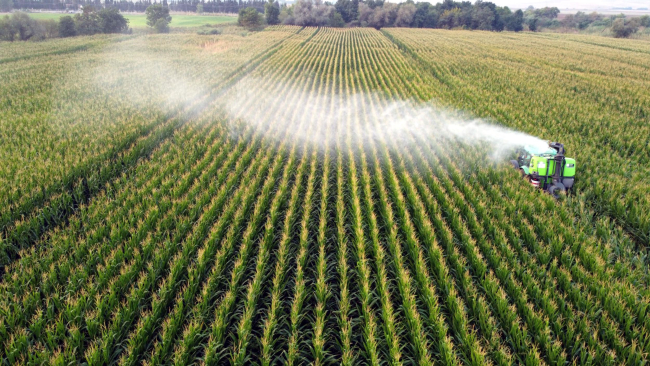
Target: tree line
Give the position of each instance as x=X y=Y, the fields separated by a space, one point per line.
x=21 y=27
x=448 y=14
x=619 y=25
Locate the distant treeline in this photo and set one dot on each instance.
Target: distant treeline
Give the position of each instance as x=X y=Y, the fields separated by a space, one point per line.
x=619 y=25
x=21 y=27
x=216 y=6
x=448 y=14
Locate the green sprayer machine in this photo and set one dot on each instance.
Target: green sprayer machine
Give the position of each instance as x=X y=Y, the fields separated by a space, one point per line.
x=547 y=169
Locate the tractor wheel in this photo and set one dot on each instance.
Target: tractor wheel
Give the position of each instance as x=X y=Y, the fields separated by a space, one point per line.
x=515 y=164
x=556 y=189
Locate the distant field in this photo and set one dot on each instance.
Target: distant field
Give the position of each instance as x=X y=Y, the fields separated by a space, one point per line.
x=140 y=21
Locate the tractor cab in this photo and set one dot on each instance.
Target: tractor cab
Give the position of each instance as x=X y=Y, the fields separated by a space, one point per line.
x=525 y=154
x=538 y=165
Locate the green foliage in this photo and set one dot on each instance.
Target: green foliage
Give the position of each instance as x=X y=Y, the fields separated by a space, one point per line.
x=112 y=21
x=349 y=9
x=405 y=15
x=644 y=21
x=546 y=12
x=515 y=22
x=378 y=14
x=484 y=18
x=50 y=28
x=209 y=32
x=450 y=18
x=426 y=16
x=543 y=17
x=19 y=26
x=23 y=27
x=88 y=22
x=107 y=20
x=199 y=8
x=67 y=27
x=161 y=26
x=623 y=28
x=6 y=31
x=336 y=20
x=158 y=12
x=250 y=19
x=619 y=26
x=272 y=12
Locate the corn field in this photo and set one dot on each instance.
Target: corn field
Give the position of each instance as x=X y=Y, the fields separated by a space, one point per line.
x=161 y=204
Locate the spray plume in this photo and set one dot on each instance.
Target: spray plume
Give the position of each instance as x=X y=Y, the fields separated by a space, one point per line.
x=398 y=121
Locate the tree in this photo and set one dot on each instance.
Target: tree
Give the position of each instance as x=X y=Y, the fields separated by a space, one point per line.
x=425 y=16
x=6 y=33
x=157 y=12
x=405 y=15
x=336 y=20
x=375 y=3
x=250 y=18
x=623 y=29
x=353 y=10
x=272 y=12
x=450 y=18
x=161 y=26
x=88 y=22
x=312 y=13
x=49 y=27
x=112 y=21
x=199 y=8
x=365 y=12
x=22 y=27
x=6 y=30
x=66 y=27
x=383 y=16
x=6 y=5
x=447 y=5
x=503 y=15
x=341 y=7
x=286 y=15
x=515 y=21
x=569 y=21
x=483 y=18
x=544 y=17
x=349 y=9
x=547 y=12
x=583 y=20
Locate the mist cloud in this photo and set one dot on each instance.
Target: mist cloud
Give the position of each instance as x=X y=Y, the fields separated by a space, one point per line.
x=396 y=122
